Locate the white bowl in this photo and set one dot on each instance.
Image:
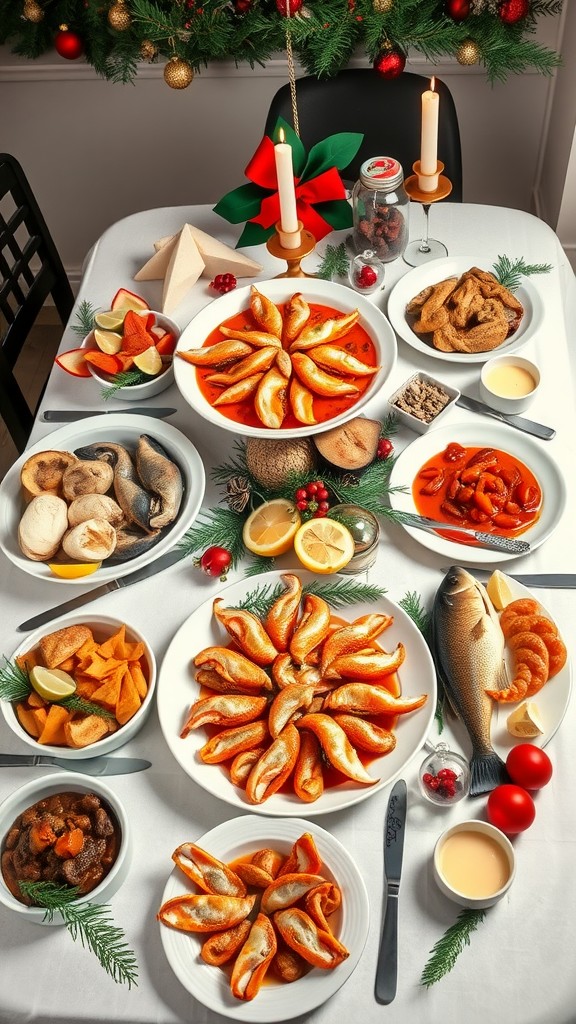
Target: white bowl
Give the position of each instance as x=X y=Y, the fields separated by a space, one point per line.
x=137 y=392
x=66 y=782
x=503 y=394
x=409 y=419
x=102 y=626
x=314 y=290
x=123 y=429
x=471 y=862
x=236 y=838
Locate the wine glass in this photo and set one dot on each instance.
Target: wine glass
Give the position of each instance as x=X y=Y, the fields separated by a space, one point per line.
x=427 y=248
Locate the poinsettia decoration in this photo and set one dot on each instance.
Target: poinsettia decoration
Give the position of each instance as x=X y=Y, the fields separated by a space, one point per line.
x=321 y=201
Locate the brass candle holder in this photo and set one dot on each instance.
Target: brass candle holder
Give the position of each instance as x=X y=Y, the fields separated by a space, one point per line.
x=281 y=246
x=437 y=187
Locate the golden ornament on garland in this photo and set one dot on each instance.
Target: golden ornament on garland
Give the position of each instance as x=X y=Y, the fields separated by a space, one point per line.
x=148 y=51
x=383 y=6
x=178 y=73
x=119 y=16
x=33 y=12
x=468 y=52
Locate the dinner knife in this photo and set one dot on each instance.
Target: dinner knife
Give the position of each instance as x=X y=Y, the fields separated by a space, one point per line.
x=71 y=415
x=86 y=766
x=528 y=426
x=387 y=965
x=553 y=580
x=161 y=563
x=509 y=545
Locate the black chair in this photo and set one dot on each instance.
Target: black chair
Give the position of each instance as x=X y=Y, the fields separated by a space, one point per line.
x=387 y=112
x=30 y=271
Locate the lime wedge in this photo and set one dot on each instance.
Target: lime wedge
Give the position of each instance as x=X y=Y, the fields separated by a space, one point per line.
x=108 y=341
x=111 y=320
x=149 y=361
x=52 y=683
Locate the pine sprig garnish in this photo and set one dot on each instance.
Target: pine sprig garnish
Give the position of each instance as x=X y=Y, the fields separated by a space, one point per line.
x=91 y=923
x=447 y=950
x=259 y=564
x=85 y=316
x=86 y=707
x=126 y=379
x=336 y=593
x=509 y=272
x=412 y=605
x=334 y=262
x=219 y=526
x=15 y=686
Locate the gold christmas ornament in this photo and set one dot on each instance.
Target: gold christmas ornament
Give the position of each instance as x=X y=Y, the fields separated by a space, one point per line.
x=383 y=6
x=178 y=74
x=148 y=51
x=119 y=16
x=468 y=52
x=33 y=12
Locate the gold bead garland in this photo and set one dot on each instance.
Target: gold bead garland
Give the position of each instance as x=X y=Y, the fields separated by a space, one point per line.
x=468 y=52
x=33 y=12
x=178 y=74
x=119 y=16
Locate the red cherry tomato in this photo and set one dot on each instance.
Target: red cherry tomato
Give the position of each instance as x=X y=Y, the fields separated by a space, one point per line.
x=510 y=808
x=529 y=766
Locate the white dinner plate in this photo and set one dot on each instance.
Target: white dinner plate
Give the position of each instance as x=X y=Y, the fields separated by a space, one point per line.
x=483 y=435
x=121 y=429
x=552 y=700
x=239 y=837
x=436 y=270
x=177 y=690
x=328 y=293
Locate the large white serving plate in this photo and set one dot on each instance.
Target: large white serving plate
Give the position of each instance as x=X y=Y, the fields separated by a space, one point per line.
x=327 y=293
x=121 y=429
x=178 y=689
x=434 y=272
x=552 y=700
x=237 y=838
x=482 y=435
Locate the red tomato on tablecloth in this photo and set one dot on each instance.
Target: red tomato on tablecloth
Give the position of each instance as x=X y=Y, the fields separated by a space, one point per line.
x=510 y=808
x=529 y=766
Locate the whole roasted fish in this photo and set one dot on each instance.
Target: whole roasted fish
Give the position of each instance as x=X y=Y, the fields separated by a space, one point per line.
x=468 y=650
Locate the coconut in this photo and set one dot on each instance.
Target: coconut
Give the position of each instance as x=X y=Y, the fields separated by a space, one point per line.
x=272 y=462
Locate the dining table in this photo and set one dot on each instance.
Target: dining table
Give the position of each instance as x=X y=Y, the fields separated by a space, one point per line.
x=518 y=965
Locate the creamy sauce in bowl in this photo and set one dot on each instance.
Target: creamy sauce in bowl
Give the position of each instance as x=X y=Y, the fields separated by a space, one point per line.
x=510 y=381
x=474 y=863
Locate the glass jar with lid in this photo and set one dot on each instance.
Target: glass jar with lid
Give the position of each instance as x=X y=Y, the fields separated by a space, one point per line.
x=380 y=209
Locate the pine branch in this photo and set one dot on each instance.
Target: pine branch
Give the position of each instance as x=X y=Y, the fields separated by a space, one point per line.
x=447 y=950
x=85 y=707
x=509 y=272
x=258 y=565
x=91 y=923
x=220 y=526
x=123 y=380
x=85 y=316
x=412 y=605
x=336 y=593
x=334 y=262
x=14 y=682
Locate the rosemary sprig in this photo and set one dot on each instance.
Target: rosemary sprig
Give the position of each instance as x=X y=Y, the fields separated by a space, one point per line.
x=509 y=272
x=15 y=686
x=334 y=261
x=85 y=316
x=337 y=593
x=126 y=379
x=91 y=923
x=448 y=948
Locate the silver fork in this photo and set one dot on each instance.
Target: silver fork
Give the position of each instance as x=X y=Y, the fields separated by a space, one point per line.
x=487 y=540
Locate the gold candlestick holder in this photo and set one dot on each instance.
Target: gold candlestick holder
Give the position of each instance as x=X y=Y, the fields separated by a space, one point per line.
x=439 y=187
x=278 y=245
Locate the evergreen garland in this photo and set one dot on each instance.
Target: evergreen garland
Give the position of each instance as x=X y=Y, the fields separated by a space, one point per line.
x=325 y=34
x=509 y=272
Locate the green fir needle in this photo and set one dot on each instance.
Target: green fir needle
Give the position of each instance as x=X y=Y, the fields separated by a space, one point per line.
x=448 y=948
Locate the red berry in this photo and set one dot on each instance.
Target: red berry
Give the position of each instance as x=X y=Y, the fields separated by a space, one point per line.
x=223 y=283
x=301 y=494
x=427 y=778
x=323 y=505
x=301 y=505
x=320 y=513
x=385 y=448
x=446 y=773
x=312 y=489
x=322 y=494
x=366 y=277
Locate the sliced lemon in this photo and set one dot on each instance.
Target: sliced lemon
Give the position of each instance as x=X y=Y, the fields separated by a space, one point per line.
x=108 y=341
x=270 y=529
x=499 y=590
x=52 y=683
x=111 y=320
x=324 y=545
x=73 y=570
x=149 y=361
x=525 y=721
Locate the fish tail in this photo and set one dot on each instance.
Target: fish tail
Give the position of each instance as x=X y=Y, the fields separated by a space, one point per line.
x=486 y=772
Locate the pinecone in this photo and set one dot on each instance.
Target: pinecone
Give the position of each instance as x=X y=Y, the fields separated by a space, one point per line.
x=480 y=6
x=238 y=491
x=349 y=480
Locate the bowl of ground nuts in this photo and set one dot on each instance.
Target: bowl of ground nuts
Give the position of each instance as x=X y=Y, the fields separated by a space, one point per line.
x=422 y=401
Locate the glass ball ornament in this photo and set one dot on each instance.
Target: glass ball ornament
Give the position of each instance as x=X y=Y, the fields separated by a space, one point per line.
x=366 y=272
x=444 y=776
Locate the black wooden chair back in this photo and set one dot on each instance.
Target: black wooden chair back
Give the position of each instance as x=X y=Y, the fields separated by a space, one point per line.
x=30 y=271
x=387 y=112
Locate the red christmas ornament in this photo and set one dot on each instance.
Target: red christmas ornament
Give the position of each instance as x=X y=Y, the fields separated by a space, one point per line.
x=288 y=7
x=458 y=9
x=68 y=44
x=242 y=6
x=390 y=63
x=512 y=11
x=215 y=561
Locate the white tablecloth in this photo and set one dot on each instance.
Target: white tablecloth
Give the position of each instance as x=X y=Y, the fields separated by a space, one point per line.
x=519 y=966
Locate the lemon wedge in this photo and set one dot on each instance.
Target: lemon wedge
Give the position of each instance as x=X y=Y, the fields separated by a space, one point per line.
x=149 y=361
x=111 y=320
x=324 y=545
x=499 y=590
x=525 y=721
x=108 y=341
x=52 y=684
x=270 y=528
x=73 y=570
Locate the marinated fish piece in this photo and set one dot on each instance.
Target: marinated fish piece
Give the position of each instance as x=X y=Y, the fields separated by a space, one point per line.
x=221 y=354
x=326 y=330
x=288 y=889
x=366 y=699
x=337 y=747
x=223 y=709
x=318 y=381
x=308 y=776
x=238 y=392
x=316 y=945
x=256 y=362
x=330 y=357
x=367 y=666
x=301 y=402
x=218 y=949
x=296 y=315
x=248 y=632
x=210 y=874
x=321 y=902
x=270 y=401
x=204 y=913
x=234 y=667
x=288 y=703
x=283 y=615
x=303 y=856
x=259 y=339
x=226 y=744
x=312 y=628
x=254 y=959
x=352 y=638
x=274 y=766
x=265 y=312
x=366 y=735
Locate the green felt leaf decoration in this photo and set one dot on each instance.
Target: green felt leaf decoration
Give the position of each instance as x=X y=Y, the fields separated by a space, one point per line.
x=335 y=151
x=241 y=203
x=337 y=212
x=254 y=234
